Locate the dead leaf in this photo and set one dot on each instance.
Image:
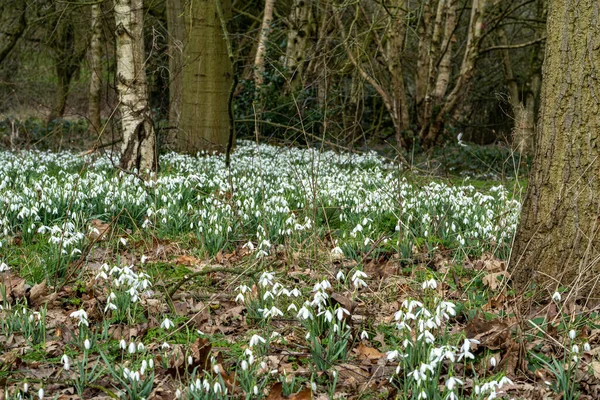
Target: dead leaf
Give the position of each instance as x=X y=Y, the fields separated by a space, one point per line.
x=187 y=261
x=368 y=353
x=491 y=280
x=596 y=368
x=276 y=393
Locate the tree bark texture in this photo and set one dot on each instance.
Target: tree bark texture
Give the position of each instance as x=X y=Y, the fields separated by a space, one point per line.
x=297 y=40
x=8 y=41
x=138 y=150
x=94 y=107
x=176 y=25
x=259 y=60
x=204 y=123
x=557 y=241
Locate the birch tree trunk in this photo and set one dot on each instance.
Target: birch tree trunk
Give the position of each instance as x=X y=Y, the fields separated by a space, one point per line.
x=138 y=150
x=96 y=71
x=557 y=242
x=259 y=60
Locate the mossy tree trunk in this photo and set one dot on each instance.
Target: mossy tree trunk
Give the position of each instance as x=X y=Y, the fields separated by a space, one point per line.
x=138 y=150
x=207 y=78
x=557 y=241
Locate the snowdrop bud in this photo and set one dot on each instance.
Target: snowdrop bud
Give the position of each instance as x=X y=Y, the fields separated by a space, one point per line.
x=178 y=394
x=190 y=360
x=313 y=386
x=493 y=362
x=131 y=348
x=556 y=297
x=25 y=387
x=123 y=344
x=572 y=334
x=87 y=344
x=41 y=393
x=586 y=347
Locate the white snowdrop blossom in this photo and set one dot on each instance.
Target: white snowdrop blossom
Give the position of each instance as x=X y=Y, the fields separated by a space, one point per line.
x=256 y=339
x=167 y=324
x=82 y=316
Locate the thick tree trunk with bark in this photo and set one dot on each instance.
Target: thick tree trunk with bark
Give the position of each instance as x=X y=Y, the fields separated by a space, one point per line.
x=204 y=123
x=297 y=40
x=94 y=108
x=66 y=64
x=393 y=55
x=138 y=150
x=176 y=24
x=8 y=40
x=557 y=242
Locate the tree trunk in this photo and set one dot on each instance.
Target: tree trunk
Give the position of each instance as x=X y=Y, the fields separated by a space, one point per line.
x=433 y=122
x=297 y=40
x=96 y=71
x=176 y=25
x=557 y=241
x=394 y=52
x=204 y=123
x=522 y=106
x=138 y=150
x=9 y=40
x=65 y=64
x=259 y=60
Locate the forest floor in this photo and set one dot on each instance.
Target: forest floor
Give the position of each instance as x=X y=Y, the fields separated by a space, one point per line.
x=295 y=274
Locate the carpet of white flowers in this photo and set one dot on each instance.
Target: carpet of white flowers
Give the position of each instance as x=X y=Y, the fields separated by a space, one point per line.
x=269 y=195
x=280 y=334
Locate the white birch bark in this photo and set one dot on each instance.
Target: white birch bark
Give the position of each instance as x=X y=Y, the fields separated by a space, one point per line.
x=138 y=150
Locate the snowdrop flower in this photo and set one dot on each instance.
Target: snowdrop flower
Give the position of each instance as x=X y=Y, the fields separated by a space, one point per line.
x=266 y=279
x=178 y=394
x=340 y=313
x=165 y=346
x=572 y=334
x=364 y=335
x=340 y=276
x=123 y=344
x=140 y=346
x=493 y=362
x=556 y=297
x=167 y=324
x=466 y=349
x=65 y=362
x=82 y=316
x=430 y=284
x=392 y=355
x=357 y=279
x=586 y=347
x=452 y=382
x=255 y=339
